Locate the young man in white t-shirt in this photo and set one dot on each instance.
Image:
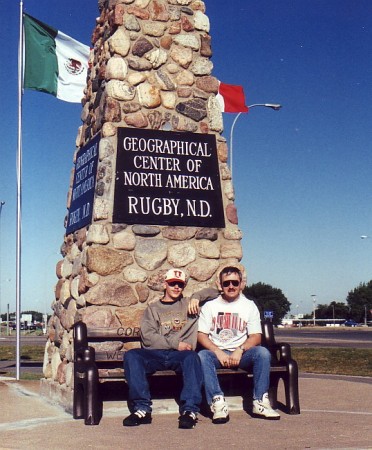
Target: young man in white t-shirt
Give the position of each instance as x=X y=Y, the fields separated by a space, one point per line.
x=230 y=331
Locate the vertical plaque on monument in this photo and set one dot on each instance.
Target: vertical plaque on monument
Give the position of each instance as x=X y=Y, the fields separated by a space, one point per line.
x=81 y=208
x=167 y=178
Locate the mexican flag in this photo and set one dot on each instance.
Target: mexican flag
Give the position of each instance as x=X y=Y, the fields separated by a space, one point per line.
x=54 y=63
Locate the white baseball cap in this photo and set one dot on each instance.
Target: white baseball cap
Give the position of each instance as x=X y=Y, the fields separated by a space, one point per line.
x=175 y=275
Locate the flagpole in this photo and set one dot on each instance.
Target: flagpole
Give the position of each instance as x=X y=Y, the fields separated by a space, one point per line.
x=19 y=192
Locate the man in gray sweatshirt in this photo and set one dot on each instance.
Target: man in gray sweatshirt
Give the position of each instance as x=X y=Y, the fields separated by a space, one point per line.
x=169 y=336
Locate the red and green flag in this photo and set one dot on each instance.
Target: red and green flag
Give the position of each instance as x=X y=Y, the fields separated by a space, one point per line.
x=54 y=63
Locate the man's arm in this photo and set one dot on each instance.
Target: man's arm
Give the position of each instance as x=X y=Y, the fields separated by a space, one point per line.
x=199 y=298
x=252 y=341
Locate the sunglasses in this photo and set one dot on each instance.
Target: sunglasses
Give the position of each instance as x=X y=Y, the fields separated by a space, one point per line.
x=227 y=283
x=180 y=284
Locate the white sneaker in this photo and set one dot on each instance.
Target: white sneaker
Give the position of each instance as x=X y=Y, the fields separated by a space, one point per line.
x=219 y=409
x=262 y=409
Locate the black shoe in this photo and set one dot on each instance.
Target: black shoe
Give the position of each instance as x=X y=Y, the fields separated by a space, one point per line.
x=187 y=420
x=137 y=418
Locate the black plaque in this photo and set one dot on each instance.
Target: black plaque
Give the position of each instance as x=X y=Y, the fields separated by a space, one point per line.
x=81 y=207
x=167 y=178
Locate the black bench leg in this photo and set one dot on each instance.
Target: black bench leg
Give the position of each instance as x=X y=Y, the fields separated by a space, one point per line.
x=78 y=409
x=273 y=391
x=291 y=388
x=87 y=402
x=93 y=405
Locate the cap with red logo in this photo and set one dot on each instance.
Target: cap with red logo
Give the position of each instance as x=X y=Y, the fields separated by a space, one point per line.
x=175 y=275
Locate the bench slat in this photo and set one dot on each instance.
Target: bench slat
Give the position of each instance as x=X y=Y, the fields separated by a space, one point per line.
x=125 y=333
x=117 y=356
x=118 y=373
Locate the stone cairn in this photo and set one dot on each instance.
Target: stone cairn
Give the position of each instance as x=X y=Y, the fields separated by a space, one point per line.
x=150 y=68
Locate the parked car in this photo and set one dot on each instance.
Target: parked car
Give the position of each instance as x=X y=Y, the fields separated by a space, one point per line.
x=350 y=323
x=24 y=327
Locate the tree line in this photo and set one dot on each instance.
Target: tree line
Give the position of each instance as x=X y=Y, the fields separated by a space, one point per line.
x=357 y=307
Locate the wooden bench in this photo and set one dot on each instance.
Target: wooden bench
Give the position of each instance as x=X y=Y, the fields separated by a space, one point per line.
x=94 y=366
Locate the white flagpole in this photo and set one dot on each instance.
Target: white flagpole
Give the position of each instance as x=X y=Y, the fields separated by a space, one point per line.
x=19 y=192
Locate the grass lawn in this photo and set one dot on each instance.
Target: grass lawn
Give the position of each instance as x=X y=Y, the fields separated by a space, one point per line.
x=337 y=361
x=28 y=353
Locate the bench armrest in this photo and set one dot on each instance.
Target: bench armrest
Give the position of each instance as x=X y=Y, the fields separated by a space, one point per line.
x=280 y=351
x=80 y=335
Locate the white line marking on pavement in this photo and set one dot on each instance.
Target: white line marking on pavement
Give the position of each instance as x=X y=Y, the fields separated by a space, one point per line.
x=31 y=423
x=361 y=413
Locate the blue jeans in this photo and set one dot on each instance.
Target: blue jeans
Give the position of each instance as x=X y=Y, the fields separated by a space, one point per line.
x=140 y=362
x=258 y=357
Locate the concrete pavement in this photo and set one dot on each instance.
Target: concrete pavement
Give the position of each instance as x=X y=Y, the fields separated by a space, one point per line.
x=336 y=413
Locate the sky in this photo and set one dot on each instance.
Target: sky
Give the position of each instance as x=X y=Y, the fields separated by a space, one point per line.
x=302 y=175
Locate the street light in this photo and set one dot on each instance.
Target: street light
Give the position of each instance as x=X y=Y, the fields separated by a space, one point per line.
x=314 y=302
x=1 y=208
x=333 y=311
x=364 y=236
x=365 y=315
x=273 y=106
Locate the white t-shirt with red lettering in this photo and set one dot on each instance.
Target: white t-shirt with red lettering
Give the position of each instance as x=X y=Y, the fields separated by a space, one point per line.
x=228 y=324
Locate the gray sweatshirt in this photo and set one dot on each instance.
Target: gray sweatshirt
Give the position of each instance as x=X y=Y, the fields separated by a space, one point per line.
x=164 y=325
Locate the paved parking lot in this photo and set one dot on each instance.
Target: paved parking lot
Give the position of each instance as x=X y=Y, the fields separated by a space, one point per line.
x=336 y=413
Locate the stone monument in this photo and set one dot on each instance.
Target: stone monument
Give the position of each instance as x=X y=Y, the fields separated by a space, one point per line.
x=150 y=188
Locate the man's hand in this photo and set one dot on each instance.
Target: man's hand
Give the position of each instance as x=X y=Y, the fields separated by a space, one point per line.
x=193 y=306
x=235 y=357
x=184 y=346
x=223 y=358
